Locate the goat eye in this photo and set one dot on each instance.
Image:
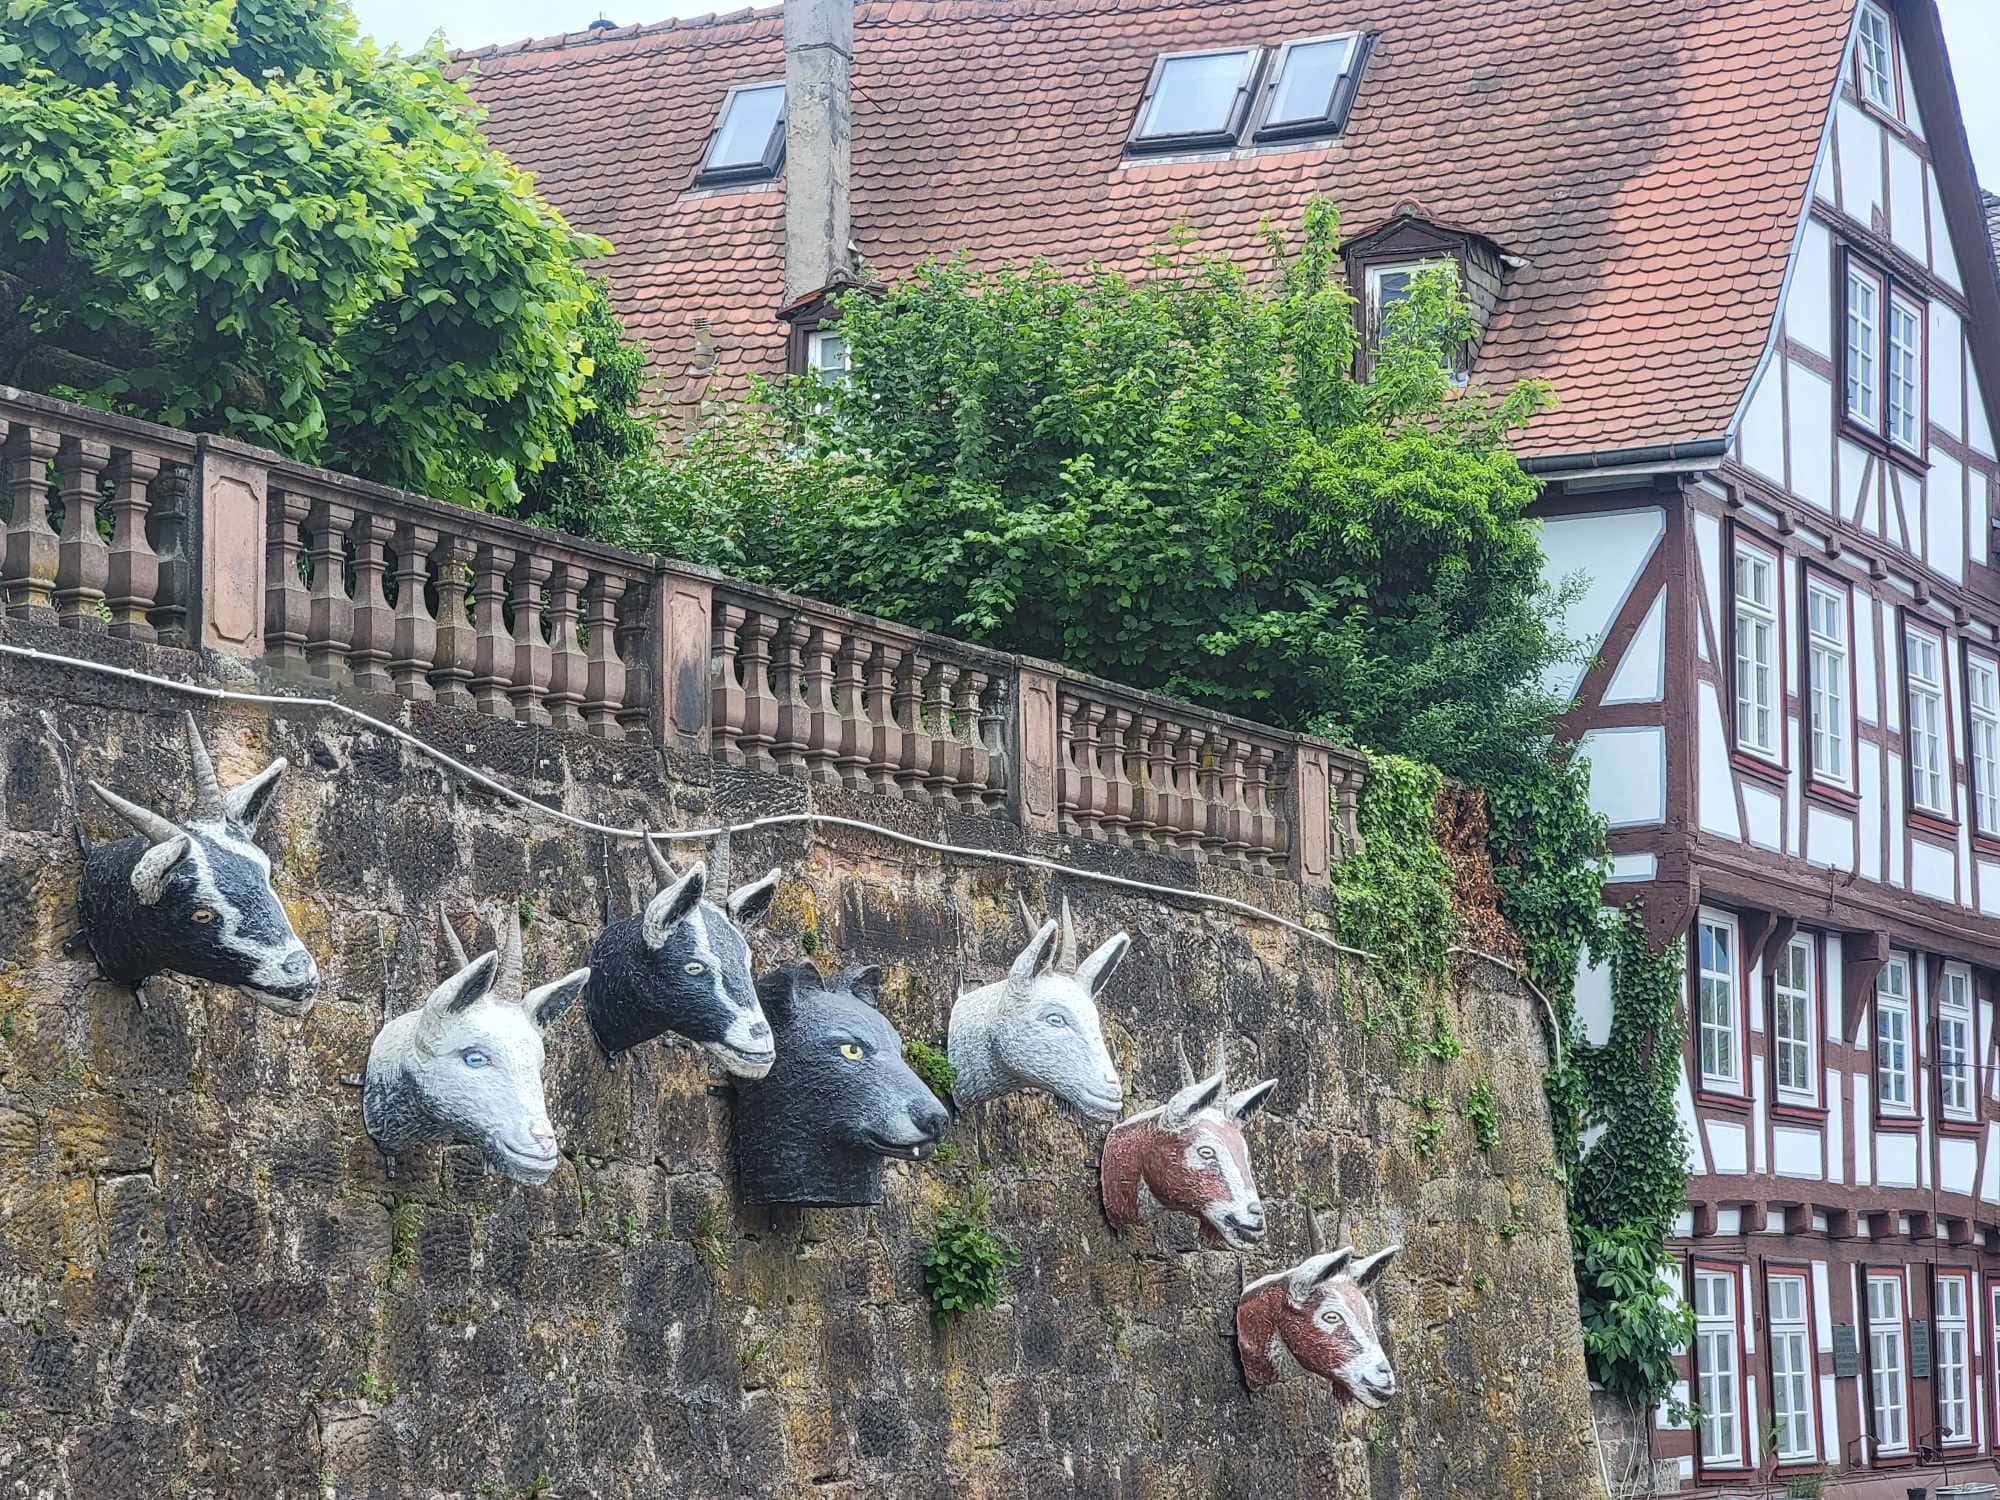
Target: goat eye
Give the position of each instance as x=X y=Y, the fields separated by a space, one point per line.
x=852 y=1051
x=1208 y=1153
x=202 y=915
x=694 y=968
x=473 y=1057
x=1058 y=1020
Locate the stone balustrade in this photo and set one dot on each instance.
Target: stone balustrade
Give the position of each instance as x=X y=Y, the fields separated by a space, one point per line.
x=328 y=580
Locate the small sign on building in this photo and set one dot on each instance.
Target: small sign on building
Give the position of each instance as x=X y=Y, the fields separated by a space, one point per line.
x=1846 y=1353
x=1920 y=1349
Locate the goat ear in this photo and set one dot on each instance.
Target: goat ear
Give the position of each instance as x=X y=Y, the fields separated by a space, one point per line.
x=748 y=904
x=546 y=1005
x=1314 y=1272
x=467 y=987
x=149 y=876
x=1367 y=1271
x=245 y=804
x=670 y=908
x=865 y=984
x=1191 y=1101
x=1242 y=1106
x=1095 y=971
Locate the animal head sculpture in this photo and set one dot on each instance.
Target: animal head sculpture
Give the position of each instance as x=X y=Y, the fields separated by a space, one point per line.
x=682 y=965
x=816 y=1129
x=1189 y=1156
x=467 y=1064
x=195 y=898
x=1315 y=1319
x=1038 y=1028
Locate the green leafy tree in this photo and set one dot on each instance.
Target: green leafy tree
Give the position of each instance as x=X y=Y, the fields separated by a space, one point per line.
x=233 y=215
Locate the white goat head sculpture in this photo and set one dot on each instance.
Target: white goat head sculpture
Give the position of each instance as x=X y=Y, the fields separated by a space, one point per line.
x=195 y=898
x=1038 y=1028
x=1315 y=1319
x=467 y=1064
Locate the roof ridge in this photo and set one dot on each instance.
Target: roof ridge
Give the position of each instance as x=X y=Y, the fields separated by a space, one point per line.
x=592 y=36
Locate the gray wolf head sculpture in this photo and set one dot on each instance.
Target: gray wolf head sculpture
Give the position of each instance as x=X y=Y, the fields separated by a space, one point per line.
x=816 y=1129
x=1189 y=1156
x=1315 y=1319
x=682 y=965
x=195 y=898
x=467 y=1064
x=1038 y=1028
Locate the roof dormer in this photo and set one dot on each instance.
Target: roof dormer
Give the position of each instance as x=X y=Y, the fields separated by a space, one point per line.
x=1381 y=263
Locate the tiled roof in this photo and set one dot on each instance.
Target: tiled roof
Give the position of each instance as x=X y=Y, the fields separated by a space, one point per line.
x=1644 y=160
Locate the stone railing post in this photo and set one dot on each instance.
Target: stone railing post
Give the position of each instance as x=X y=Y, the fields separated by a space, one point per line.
x=679 y=645
x=231 y=530
x=1033 y=748
x=1307 y=805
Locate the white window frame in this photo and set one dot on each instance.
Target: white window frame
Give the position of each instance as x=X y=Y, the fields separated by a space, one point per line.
x=816 y=342
x=1795 y=1021
x=1377 y=272
x=1718 y=1372
x=1888 y=1364
x=1758 y=676
x=1830 y=706
x=1794 y=1366
x=1951 y=1358
x=1724 y=982
x=1894 y=1004
x=1875 y=48
x=1861 y=364
x=1958 y=1094
x=1982 y=711
x=1926 y=742
x=1903 y=373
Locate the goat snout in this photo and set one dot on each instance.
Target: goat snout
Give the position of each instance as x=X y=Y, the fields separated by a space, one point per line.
x=544 y=1137
x=298 y=964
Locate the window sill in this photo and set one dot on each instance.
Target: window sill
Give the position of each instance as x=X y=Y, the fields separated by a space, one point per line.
x=1900 y=1459
x=1834 y=796
x=1960 y=1125
x=1930 y=822
x=1986 y=843
x=1883 y=1121
x=1750 y=763
x=1736 y=1102
x=1799 y=1110
x=1914 y=461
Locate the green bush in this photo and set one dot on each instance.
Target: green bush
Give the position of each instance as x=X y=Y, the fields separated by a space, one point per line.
x=1633 y=1318
x=963 y=1264
x=933 y=1067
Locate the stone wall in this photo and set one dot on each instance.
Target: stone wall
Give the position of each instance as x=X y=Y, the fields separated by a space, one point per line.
x=209 y=1287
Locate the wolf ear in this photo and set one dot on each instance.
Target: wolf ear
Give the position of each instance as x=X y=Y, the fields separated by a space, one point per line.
x=865 y=984
x=748 y=904
x=778 y=991
x=546 y=1005
x=670 y=908
x=149 y=876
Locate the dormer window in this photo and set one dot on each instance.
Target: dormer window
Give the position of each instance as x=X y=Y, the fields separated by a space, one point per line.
x=749 y=140
x=1390 y=284
x=1196 y=100
x=1235 y=96
x=1310 y=88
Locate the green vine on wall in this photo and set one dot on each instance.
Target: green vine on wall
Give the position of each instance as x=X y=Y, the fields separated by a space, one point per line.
x=963 y=1264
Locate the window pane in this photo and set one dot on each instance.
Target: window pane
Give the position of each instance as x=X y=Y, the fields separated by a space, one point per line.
x=1877 y=82
x=1861 y=331
x=1826 y=624
x=1905 y=406
x=1197 y=95
x=747 y=122
x=1312 y=72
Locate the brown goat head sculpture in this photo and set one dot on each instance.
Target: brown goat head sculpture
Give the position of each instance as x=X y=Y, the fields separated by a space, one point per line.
x=1315 y=1319
x=1189 y=1156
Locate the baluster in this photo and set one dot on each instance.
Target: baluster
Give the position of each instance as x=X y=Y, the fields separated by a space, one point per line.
x=1260 y=827
x=1236 y=814
x=1279 y=778
x=374 y=626
x=330 y=622
x=851 y=685
x=169 y=497
x=83 y=562
x=287 y=600
x=992 y=737
x=1069 y=765
x=566 y=666
x=884 y=736
x=133 y=577
x=532 y=664
x=822 y=718
x=1113 y=753
x=940 y=689
x=728 y=703
x=492 y=646
x=1214 y=819
x=634 y=625
x=1144 y=824
x=788 y=746
x=1188 y=821
x=32 y=546
x=913 y=759
x=451 y=677
x=604 y=677
x=760 y=706
x=1090 y=791
x=969 y=786
x=413 y=636
x=1160 y=778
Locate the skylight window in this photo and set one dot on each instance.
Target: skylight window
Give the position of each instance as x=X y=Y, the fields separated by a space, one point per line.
x=749 y=140
x=1196 y=99
x=1308 y=92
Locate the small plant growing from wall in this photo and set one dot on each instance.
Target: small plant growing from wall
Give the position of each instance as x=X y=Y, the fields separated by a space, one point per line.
x=1481 y=1115
x=963 y=1264
x=932 y=1066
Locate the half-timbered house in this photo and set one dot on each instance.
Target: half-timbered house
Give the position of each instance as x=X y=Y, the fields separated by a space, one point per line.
x=1743 y=241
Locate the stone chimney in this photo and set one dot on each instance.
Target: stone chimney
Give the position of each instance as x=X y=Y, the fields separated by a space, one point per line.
x=819 y=47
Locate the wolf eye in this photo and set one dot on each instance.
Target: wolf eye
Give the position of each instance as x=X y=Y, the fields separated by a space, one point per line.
x=691 y=967
x=472 y=1057
x=852 y=1051
x=202 y=915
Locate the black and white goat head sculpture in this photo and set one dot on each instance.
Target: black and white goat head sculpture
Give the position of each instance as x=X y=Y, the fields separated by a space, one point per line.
x=467 y=1064
x=683 y=965
x=195 y=898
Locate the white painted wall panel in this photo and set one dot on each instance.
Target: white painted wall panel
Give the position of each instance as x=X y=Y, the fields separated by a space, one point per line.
x=1979 y=433
x=1906 y=201
x=1958 y=1162
x=1608 y=548
x=1762 y=815
x=1868 y=761
x=1864 y=1157
x=1829 y=838
x=1727 y=1149
x=1944 y=262
x=1860 y=163
x=1894 y=780
x=1708 y=553
x=1812 y=437
x=1836 y=1143
x=1809 y=303
x=1763 y=429
x=1634 y=867
x=1642 y=672
x=1864 y=656
x=1853 y=501
x=1895 y=1158
x=1718 y=797
x=1933 y=870
x=1628 y=774
x=1944 y=517
x=1795 y=1153
x=1989 y=1182
x=1941 y=341
x=1593 y=999
x=1989 y=888
x=1697 y=1158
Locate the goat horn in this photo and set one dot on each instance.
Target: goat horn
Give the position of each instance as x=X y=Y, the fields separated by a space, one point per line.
x=1028 y=922
x=207 y=790
x=661 y=868
x=451 y=943
x=142 y=819
x=1316 y=1232
x=718 y=859
x=1221 y=1064
x=1187 y=1068
x=507 y=983
x=1066 y=955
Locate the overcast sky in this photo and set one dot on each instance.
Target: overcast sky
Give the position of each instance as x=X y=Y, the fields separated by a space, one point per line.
x=1972 y=27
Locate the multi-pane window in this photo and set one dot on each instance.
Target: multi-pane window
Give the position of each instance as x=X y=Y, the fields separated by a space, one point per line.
x=1826 y=640
x=1388 y=285
x=1892 y=1036
x=1864 y=334
x=1954 y=1359
x=1877 y=58
x=1234 y=96
x=1888 y=1395
x=1923 y=672
x=1906 y=411
x=749 y=140
x=826 y=353
x=1721 y=1054
x=1757 y=709
x=1954 y=1043
x=1792 y=1373
x=1309 y=88
x=1792 y=1021
x=1716 y=1344
x=1197 y=99
x=1982 y=693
